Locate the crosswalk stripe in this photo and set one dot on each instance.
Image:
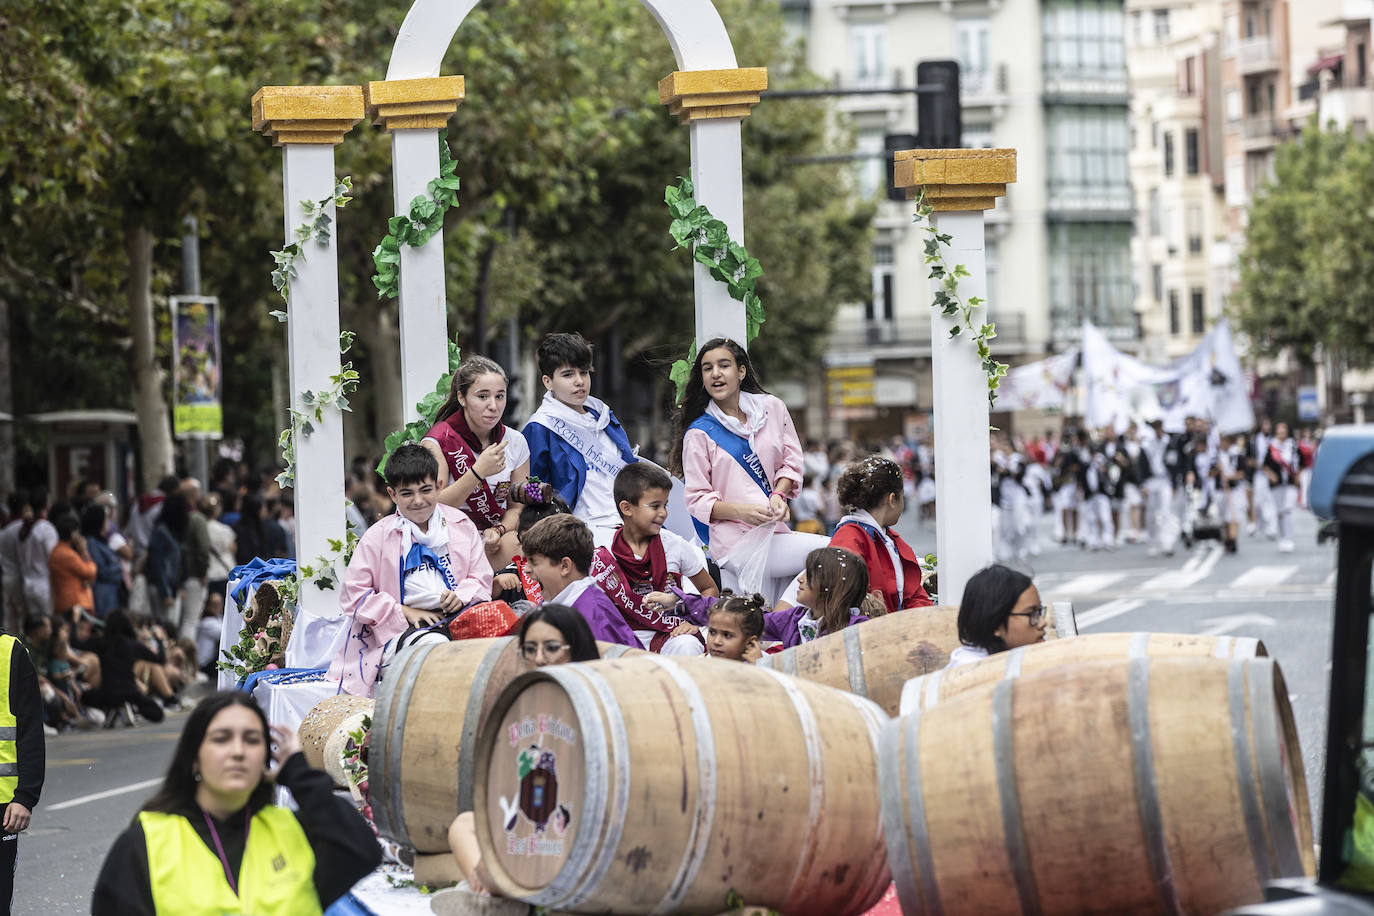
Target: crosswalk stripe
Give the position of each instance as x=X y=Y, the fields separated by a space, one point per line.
x=1198 y=567
x=1260 y=576
x=1088 y=584
x=1108 y=611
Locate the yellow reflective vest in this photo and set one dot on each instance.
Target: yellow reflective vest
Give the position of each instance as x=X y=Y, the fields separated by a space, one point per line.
x=187 y=877
x=9 y=725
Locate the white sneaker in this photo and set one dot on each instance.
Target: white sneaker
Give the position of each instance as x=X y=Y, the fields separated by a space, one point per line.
x=49 y=731
x=95 y=715
x=1285 y=546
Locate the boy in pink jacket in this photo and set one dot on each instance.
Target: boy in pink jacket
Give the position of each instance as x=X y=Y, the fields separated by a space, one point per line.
x=410 y=569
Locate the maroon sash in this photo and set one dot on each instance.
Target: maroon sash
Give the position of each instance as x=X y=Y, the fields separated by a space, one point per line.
x=459 y=447
x=1277 y=454
x=528 y=583
x=629 y=601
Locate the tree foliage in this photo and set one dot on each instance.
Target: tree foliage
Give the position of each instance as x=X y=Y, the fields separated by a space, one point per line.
x=1307 y=270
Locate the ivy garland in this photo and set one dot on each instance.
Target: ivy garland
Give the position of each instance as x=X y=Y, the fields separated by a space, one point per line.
x=425 y=218
x=316 y=229
x=305 y=419
x=428 y=409
x=948 y=301
x=727 y=260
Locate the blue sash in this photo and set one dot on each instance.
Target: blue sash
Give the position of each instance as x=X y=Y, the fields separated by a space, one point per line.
x=737 y=447
x=419 y=557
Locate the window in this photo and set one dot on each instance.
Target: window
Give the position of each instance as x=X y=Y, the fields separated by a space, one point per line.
x=1088 y=156
x=1175 y=320
x=872 y=172
x=1199 y=319
x=1137 y=28
x=1191 y=156
x=1090 y=276
x=1237 y=192
x=1361 y=64
x=1154 y=214
x=1157 y=281
x=1187 y=85
x=879 y=307
x=1161 y=25
x=971 y=37
x=978 y=136
x=1233 y=112
x=1169 y=154
x=1084 y=40
x=1194 y=217
x=868 y=42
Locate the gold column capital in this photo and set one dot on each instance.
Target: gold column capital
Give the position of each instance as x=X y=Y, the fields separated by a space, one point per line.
x=696 y=95
x=319 y=115
x=955 y=179
x=411 y=104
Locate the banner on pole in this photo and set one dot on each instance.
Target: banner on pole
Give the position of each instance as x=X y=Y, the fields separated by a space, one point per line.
x=197 y=411
x=1041 y=385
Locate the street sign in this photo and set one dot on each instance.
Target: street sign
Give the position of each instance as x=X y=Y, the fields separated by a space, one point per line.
x=1308 y=409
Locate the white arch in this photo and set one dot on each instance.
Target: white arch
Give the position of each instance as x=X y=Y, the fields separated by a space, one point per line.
x=693 y=27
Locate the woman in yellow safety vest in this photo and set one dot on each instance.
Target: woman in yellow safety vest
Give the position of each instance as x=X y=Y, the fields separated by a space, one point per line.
x=211 y=841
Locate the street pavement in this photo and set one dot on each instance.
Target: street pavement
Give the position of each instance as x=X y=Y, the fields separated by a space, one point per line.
x=97 y=780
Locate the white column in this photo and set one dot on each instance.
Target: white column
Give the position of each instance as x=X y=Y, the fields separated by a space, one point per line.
x=719 y=185
x=424 y=316
x=963 y=480
x=313 y=343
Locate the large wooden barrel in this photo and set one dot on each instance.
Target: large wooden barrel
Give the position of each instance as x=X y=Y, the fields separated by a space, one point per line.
x=424 y=729
x=1154 y=785
x=875 y=659
x=926 y=691
x=323 y=719
x=660 y=785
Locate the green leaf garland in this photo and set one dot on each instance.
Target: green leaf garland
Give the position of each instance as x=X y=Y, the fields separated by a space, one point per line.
x=428 y=409
x=426 y=217
x=315 y=228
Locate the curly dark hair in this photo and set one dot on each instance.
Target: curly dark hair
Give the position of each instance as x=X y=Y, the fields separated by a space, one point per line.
x=695 y=398
x=865 y=483
x=748 y=611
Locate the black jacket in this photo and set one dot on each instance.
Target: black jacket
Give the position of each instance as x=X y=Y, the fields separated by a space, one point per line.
x=345 y=849
x=27 y=705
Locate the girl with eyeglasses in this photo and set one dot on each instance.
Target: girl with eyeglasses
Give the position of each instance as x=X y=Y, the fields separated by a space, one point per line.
x=551 y=634
x=1000 y=610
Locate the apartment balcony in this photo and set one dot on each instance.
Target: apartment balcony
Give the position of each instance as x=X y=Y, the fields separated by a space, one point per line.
x=1078 y=202
x=1257 y=132
x=1096 y=85
x=909 y=336
x=983 y=88
x=1257 y=55
x=1346 y=106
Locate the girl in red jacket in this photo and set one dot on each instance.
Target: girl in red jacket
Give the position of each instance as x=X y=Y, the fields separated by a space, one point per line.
x=871 y=492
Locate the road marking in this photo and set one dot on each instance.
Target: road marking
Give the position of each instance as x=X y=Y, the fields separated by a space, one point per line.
x=1261 y=576
x=1198 y=567
x=1108 y=611
x=1088 y=584
x=1216 y=626
x=108 y=793
x=72 y=762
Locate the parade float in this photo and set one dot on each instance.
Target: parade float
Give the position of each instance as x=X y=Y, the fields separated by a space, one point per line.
x=1162 y=768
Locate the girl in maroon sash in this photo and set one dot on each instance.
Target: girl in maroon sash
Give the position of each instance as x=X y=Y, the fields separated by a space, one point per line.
x=480 y=459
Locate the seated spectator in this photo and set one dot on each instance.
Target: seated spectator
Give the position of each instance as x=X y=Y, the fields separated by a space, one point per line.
x=515 y=582
x=1000 y=610
x=872 y=491
x=409 y=570
x=120 y=651
x=208 y=634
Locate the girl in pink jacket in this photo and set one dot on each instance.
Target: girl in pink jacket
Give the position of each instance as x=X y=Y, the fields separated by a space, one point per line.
x=410 y=569
x=740 y=457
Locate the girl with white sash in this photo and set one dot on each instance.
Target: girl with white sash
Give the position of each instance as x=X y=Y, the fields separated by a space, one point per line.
x=740 y=457
x=480 y=459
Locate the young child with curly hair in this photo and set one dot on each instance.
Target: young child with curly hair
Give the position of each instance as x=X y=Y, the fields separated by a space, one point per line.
x=871 y=490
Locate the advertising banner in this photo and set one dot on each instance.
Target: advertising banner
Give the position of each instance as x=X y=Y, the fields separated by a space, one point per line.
x=197 y=411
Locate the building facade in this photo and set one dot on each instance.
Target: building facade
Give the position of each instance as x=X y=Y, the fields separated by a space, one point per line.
x=1058 y=245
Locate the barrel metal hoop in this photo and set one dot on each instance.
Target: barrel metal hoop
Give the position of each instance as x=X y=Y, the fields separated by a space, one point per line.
x=467 y=742
x=789 y=661
x=1224 y=646
x=1065 y=623
x=615 y=724
x=389 y=777
x=1268 y=755
x=1245 y=779
x=890 y=783
x=815 y=765
x=1014 y=831
x=854 y=657
x=1147 y=791
x=587 y=841
x=1247 y=647
x=879 y=875
x=933 y=689
x=1013 y=669
x=699 y=836
x=1140 y=646
x=929 y=887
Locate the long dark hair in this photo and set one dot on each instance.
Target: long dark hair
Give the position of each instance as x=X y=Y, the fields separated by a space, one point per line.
x=573 y=626
x=986 y=607
x=695 y=398
x=178 y=790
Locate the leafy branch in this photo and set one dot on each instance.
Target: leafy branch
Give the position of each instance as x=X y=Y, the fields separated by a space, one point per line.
x=425 y=218
x=727 y=260
x=305 y=419
x=949 y=302
x=428 y=409
x=316 y=229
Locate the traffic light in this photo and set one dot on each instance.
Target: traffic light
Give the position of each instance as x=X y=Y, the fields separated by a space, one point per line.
x=892 y=143
x=938 y=114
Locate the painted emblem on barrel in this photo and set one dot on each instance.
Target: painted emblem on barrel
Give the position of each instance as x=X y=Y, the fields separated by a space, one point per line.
x=536 y=791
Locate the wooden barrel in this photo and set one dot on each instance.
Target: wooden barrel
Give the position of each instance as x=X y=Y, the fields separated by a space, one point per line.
x=660 y=785
x=875 y=659
x=424 y=729
x=926 y=691
x=1186 y=793
x=323 y=719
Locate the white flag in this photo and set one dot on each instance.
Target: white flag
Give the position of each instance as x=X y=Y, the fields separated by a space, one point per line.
x=1040 y=385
